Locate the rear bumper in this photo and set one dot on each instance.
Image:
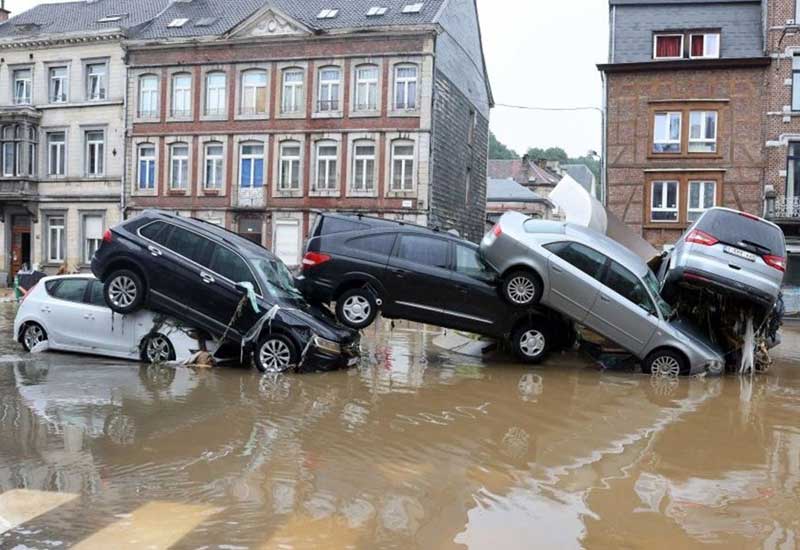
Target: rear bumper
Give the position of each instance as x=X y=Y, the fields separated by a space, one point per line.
x=314 y=290
x=724 y=285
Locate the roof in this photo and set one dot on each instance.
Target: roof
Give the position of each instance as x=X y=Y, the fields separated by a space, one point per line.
x=46 y=20
x=223 y=16
x=542 y=176
x=581 y=174
x=522 y=171
x=502 y=169
x=508 y=190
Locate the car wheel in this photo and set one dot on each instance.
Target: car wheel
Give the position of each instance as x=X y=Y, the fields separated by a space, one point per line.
x=665 y=362
x=522 y=288
x=124 y=291
x=356 y=308
x=157 y=349
x=275 y=353
x=531 y=343
x=32 y=335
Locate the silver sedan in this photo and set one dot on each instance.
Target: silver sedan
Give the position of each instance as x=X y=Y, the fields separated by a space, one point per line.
x=598 y=283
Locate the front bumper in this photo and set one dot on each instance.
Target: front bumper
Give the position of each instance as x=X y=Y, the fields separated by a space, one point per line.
x=317 y=360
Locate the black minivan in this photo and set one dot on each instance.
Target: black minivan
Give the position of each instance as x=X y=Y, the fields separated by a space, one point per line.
x=419 y=274
x=194 y=271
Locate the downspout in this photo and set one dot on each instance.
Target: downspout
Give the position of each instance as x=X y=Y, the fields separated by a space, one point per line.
x=604 y=113
x=431 y=156
x=122 y=202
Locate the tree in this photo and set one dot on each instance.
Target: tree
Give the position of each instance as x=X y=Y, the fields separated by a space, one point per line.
x=499 y=151
x=551 y=153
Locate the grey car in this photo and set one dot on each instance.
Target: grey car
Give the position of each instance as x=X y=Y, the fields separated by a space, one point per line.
x=598 y=283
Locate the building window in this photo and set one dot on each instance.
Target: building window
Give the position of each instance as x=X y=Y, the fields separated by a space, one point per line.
x=327 y=164
x=55 y=239
x=668 y=46
x=402 y=166
x=96 y=81
x=664 y=201
x=32 y=154
x=95 y=152
x=796 y=83
x=147 y=167
x=56 y=153
x=292 y=98
x=254 y=92
x=289 y=170
x=366 y=88
x=251 y=172
x=181 y=95
x=23 y=83
x=92 y=236
x=179 y=166
x=59 y=85
x=702 y=195
x=405 y=87
x=148 y=96
x=212 y=178
x=215 y=94
x=9 y=153
x=364 y=166
x=329 y=82
x=705 y=45
x=703 y=132
x=667 y=133
x=793 y=174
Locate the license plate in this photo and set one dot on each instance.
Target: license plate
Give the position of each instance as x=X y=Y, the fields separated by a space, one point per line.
x=352 y=361
x=740 y=253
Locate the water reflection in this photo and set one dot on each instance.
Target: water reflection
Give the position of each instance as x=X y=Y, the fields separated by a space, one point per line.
x=415 y=449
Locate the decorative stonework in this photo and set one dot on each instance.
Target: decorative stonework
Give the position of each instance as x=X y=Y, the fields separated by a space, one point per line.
x=272 y=24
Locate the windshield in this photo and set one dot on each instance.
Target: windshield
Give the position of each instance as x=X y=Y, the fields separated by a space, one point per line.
x=277 y=277
x=655 y=289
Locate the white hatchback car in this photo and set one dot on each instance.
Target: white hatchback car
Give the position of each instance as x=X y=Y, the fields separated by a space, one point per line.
x=70 y=313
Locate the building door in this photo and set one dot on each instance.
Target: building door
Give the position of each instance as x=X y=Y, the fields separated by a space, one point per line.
x=20 y=243
x=250 y=228
x=286 y=244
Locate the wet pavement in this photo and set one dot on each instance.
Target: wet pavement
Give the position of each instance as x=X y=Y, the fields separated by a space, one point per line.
x=416 y=448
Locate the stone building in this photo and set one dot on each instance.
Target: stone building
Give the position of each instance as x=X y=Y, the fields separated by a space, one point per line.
x=254 y=114
x=685 y=95
x=62 y=141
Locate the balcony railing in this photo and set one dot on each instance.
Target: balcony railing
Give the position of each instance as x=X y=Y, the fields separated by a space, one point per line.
x=786 y=207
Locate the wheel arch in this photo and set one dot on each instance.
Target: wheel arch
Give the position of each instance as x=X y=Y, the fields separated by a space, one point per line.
x=28 y=321
x=675 y=349
x=126 y=263
x=359 y=280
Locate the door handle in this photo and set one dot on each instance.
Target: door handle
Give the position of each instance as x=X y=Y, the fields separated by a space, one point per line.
x=207 y=279
x=462 y=289
x=89 y=317
x=154 y=251
x=399 y=272
x=605 y=299
x=557 y=269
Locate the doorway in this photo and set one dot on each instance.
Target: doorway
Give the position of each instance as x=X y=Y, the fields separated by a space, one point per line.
x=20 y=243
x=250 y=228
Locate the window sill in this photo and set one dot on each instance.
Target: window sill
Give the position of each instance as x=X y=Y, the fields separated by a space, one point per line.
x=211 y=192
x=678 y=225
x=296 y=194
x=326 y=114
x=324 y=193
x=402 y=113
x=362 y=194
x=214 y=118
x=402 y=194
x=177 y=192
x=365 y=114
x=257 y=116
x=290 y=116
x=187 y=118
x=146 y=119
x=685 y=156
x=144 y=193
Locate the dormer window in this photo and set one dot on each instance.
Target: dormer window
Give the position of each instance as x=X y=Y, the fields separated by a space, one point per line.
x=668 y=46
x=177 y=23
x=327 y=14
x=704 y=45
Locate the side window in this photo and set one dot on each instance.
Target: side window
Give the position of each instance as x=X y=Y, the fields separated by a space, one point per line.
x=627 y=285
x=423 y=250
x=158 y=232
x=230 y=265
x=374 y=244
x=468 y=262
x=72 y=290
x=96 y=297
x=584 y=258
x=189 y=245
x=330 y=226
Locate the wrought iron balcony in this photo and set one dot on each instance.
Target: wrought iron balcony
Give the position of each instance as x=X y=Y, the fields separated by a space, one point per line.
x=786 y=208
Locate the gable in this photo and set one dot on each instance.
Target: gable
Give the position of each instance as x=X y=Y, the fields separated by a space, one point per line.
x=269 y=22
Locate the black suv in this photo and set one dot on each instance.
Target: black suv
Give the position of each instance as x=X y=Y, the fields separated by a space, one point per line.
x=410 y=272
x=192 y=270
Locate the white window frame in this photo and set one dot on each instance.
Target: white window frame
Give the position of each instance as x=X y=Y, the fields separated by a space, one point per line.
x=405 y=82
x=706 y=53
x=218 y=162
x=181 y=95
x=326 y=167
x=101 y=79
x=357 y=187
x=252 y=91
x=60 y=153
x=27 y=86
x=218 y=108
x=100 y=153
x=666 y=140
x=151 y=159
x=702 y=206
x=664 y=195
x=328 y=90
x=60 y=238
x=149 y=97
x=293 y=90
x=183 y=167
x=9 y=165
x=64 y=82
x=252 y=158
x=293 y=163
x=668 y=35
x=90 y=245
x=366 y=86
x=703 y=127
x=405 y=159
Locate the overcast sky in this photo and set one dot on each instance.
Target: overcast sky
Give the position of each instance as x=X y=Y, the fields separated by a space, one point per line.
x=540 y=54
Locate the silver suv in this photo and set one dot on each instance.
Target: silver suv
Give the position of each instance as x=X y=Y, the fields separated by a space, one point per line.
x=599 y=283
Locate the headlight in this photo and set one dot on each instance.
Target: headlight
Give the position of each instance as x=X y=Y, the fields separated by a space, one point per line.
x=715 y=367
x=326 y=345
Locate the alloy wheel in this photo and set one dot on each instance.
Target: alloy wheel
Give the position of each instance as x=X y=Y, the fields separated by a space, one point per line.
x=532 y=343
x=521 y=290
x=157 y=350
x=122 y=291
x=665 y=366
x=275 y=356
x=34 y=335
x=356 y=309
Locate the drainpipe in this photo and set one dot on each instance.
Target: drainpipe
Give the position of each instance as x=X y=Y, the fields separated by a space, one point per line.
x=123 y=181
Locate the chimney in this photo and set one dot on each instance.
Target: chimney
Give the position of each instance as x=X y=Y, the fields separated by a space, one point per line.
x=4 y=13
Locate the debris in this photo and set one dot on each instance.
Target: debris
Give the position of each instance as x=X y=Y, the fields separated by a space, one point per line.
x=41 y=347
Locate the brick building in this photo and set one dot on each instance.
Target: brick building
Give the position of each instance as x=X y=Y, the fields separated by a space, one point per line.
x=255 y=114
x=686 y=99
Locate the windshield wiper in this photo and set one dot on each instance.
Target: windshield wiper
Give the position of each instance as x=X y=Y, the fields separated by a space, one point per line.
x=755 y=245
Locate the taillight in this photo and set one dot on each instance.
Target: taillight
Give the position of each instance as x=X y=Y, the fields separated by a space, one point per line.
x=108 y=236
x=313 y=259
x=750 y=216
x=701 y=237
x=778 y=262
x=497 y=230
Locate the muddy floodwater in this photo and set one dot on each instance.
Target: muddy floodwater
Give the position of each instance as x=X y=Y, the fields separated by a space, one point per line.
x=416 y=448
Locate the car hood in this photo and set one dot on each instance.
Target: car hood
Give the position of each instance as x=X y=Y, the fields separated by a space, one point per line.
x=300 y=313
x=694 y=335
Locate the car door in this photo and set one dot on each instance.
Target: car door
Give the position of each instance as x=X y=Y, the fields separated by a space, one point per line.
x=574 y=272
x=68 y=318
x=624 y=311
x=156 y=235
x=415 y=275
x=110 y=332
x=471 y=300
x=227 y=268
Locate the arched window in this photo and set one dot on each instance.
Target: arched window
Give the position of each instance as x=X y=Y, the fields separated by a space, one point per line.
x=251 y=173
x=366 y=88
x=254 y=92
x=216 y=96
x=328 y=94
x=179 y=166
x=405 y=87
x=289 y=168
x=327 y=153
x=292 y=93
x=148 y=96
x=181 y=95
x=363 y=177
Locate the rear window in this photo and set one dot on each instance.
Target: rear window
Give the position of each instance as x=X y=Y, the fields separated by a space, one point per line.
x=735 y=229
x=329 y=226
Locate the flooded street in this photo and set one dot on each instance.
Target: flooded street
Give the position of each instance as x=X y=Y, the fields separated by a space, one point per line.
x=416 y=448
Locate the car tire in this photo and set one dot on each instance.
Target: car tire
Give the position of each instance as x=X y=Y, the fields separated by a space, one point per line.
x=665 y=362
x=124 y=291
x=522 y=288
x=157 y=348
x=275 y=353
x=32 y=335
x=356 y=308
x=531 y=342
